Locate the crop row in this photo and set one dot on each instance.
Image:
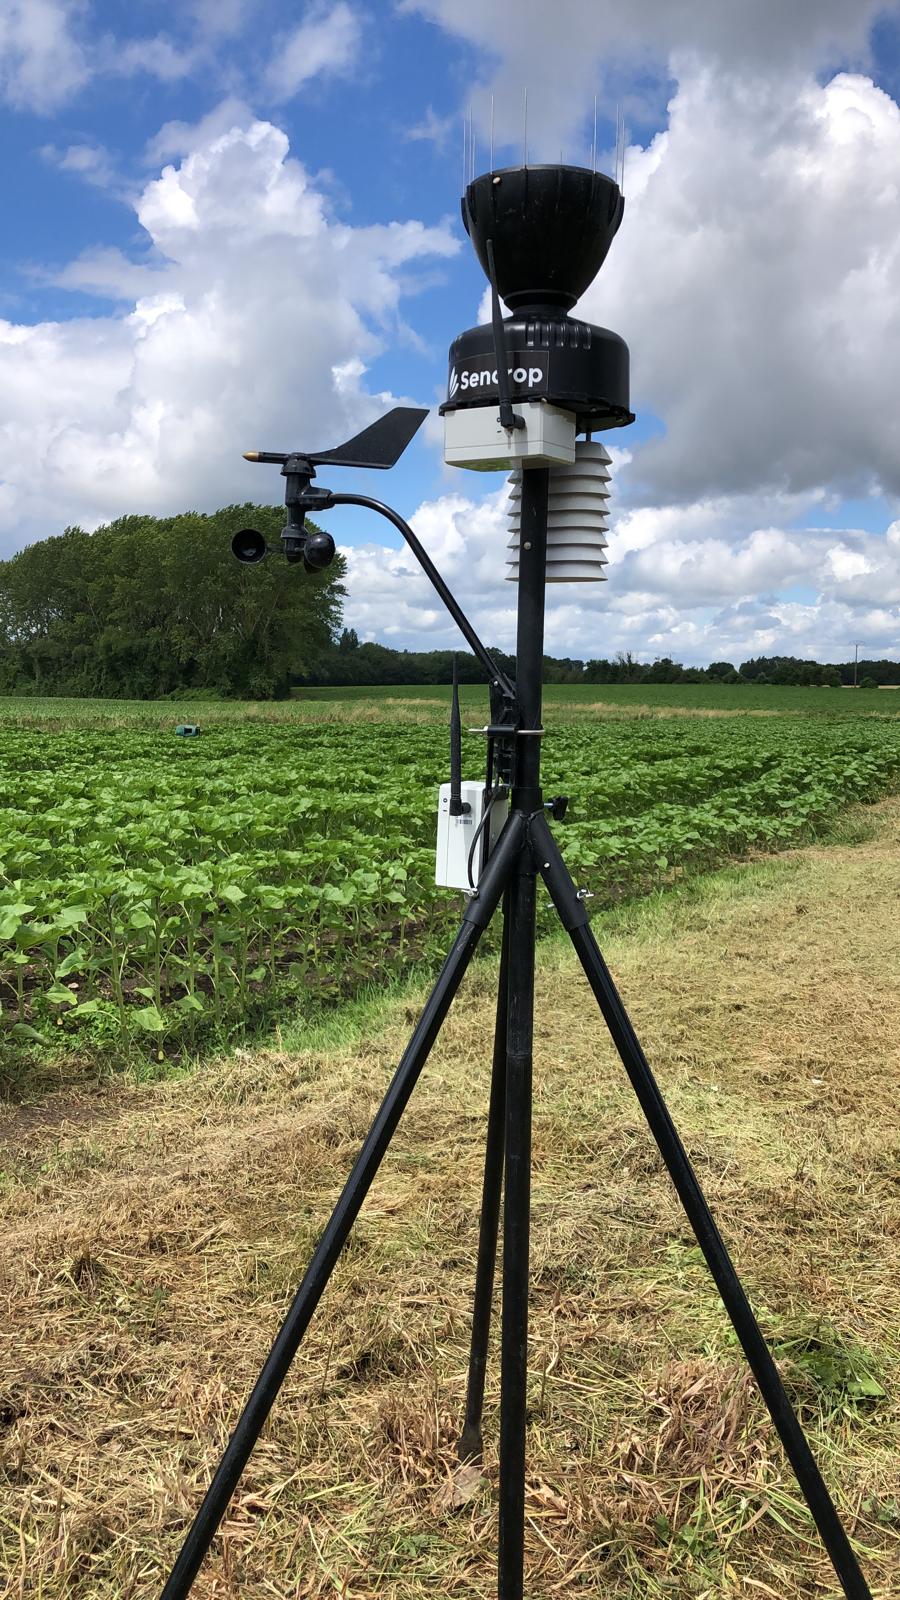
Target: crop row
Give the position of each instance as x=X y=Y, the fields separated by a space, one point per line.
x=159 y=889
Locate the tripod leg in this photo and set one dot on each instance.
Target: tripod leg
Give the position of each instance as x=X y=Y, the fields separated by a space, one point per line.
x=516 y=1230
x=470 y=1443
x=250 y=1423
x=575 y=920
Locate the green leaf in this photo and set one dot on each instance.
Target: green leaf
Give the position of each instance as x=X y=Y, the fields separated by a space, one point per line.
x=149 y=1019
x=21 y=1030
x=71 y=916
x=74 y=962
x=59 y=995
x=865 y=1386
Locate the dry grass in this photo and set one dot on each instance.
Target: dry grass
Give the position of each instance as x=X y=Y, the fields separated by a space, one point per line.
x=616 y=711
x=153 y=1236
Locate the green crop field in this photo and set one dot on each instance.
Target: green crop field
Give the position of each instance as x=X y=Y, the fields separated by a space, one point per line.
x=158 y=893
x=416 y=702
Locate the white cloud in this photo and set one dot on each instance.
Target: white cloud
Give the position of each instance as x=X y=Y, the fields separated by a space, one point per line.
x=219 y=18
x=48 y=53
x=42 y=62
x=567 y=52
x=244 y=329
x=176 y=139
x=158 y=56
x=434 y=129
x=698 y=583
x=327 y=41
x=754 y=279
x=92 y=163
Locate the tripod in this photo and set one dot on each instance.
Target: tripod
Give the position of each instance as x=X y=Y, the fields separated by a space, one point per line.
x=525 y=850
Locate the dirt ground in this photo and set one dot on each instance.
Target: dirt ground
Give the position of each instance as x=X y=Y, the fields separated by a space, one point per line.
x=153 y=1235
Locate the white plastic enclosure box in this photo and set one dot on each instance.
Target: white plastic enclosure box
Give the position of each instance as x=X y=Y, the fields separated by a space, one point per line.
x=455 y=835
x=475 y=437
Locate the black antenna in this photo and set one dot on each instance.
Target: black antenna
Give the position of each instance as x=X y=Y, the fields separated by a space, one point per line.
x=457 y=809
x=509 y=419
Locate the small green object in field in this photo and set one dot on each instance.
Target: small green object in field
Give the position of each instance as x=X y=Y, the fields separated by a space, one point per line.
x=188 y=730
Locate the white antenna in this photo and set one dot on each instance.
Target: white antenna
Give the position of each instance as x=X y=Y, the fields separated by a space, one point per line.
x=594 y=140
x=616 y=152
x=525 y=132
x=620 y=149
x=619 y=126
x=492 y=133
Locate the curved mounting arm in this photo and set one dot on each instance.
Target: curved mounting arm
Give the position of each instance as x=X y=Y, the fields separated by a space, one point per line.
x=498 y=678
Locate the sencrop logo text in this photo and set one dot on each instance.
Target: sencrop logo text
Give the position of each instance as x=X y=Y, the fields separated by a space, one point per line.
x=522 y=377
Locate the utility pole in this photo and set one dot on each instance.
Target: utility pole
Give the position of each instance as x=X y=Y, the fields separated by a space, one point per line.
x=856 y=661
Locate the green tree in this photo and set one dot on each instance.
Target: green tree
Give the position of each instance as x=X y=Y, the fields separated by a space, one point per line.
x=148 y=606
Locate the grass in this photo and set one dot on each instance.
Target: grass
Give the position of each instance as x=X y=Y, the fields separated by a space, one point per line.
x=418 y=703
x=154 y=1234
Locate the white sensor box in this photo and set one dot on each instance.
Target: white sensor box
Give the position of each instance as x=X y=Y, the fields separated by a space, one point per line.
x=455 y=835
x=474 y=437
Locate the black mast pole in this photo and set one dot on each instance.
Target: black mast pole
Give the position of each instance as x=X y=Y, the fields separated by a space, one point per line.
x=526 y=799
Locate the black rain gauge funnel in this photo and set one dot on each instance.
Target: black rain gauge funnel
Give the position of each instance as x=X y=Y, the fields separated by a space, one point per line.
x=551 y=228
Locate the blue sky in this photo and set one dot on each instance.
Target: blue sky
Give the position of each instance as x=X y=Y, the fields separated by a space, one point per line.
x=238 y=224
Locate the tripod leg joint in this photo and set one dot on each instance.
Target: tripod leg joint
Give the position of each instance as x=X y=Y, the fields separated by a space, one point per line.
x=569 y=904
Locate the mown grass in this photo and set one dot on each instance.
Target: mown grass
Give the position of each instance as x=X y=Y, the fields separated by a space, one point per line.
x=154 y=1234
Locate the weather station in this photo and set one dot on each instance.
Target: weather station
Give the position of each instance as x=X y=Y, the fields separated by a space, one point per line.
x=526 y=393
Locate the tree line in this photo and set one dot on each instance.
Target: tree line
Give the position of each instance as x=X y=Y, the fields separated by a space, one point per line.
x=152 y=606
x=354 y=663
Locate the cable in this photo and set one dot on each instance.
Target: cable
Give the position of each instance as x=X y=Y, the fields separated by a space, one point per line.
x=491 y=795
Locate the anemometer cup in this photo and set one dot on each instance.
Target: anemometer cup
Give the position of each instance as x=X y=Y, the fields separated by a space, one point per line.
x=318 y=551
x=249 y=547
x=551 y=228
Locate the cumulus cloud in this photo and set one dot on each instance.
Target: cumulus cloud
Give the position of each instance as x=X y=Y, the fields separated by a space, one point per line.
x=176 y=139
x=696 y=583
x=754 y=278
x=253 y=312
x=566 y=53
